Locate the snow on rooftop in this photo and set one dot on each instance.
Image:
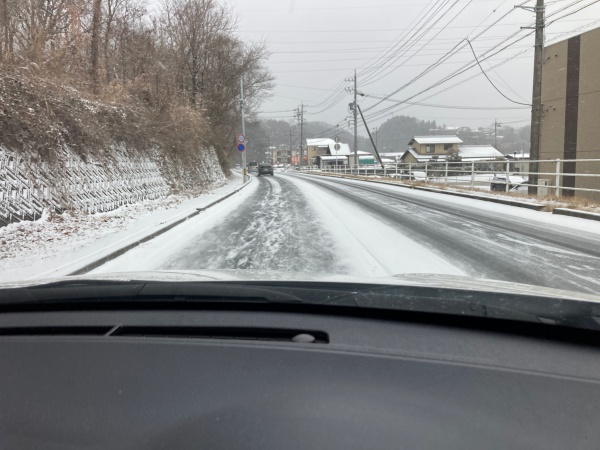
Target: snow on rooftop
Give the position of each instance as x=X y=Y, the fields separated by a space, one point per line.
x=445 y=139
x=424 y=158
x=321 y=142
x=330 y=143
x=333 y=158
x=478 y=151
x=344 y=149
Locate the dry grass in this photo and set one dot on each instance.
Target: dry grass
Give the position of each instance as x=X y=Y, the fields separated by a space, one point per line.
x=40 y=117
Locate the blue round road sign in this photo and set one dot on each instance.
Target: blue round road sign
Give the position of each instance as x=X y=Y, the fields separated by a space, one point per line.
x=241 y=147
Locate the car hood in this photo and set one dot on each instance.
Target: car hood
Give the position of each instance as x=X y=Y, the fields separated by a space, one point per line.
x=407 y=280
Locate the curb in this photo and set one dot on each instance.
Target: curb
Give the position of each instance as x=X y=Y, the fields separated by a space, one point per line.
x=534 y=206
x=517 y=203
x=116 y=253
x=576 y=213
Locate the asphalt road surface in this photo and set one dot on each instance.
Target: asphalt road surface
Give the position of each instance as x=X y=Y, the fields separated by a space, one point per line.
x=293 y=223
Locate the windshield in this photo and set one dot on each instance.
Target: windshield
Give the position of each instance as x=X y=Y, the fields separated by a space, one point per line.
x=453 y=142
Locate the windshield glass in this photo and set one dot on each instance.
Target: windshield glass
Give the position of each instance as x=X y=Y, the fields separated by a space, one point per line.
x=302 y=140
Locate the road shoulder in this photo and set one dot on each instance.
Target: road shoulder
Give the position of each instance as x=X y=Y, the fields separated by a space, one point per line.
x=98 y=238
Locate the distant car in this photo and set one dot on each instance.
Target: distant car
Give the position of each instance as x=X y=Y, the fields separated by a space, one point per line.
x=498 y=183
x=252 y=167
x=265 y=169
x=403 y=176
x=237 y=166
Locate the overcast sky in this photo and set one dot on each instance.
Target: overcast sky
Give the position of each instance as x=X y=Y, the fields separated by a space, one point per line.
x=316 y=44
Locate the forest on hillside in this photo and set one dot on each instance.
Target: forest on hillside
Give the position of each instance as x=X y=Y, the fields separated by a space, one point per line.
x=179 y=66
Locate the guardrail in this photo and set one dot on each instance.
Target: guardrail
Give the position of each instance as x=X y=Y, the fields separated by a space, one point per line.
x=558 y=177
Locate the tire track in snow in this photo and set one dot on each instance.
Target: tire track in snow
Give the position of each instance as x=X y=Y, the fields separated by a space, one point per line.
x=272 y=231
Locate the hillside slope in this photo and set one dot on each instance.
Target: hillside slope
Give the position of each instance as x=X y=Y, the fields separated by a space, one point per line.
x=60 y=150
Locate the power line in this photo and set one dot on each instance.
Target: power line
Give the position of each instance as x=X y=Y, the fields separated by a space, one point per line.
x=345 y=69
x=417 y=25
x=455 y=73
x=445 y=57
x=369 y=6
x=470 y=65
x=376 y=30
x=491 y=82
x=372 y=80
x=329 y=60
x=339 y=88
x=504 y=61
x=431 y=105
x=573 y=12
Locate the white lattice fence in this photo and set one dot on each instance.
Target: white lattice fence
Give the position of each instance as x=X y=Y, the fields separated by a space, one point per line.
x=27 y=188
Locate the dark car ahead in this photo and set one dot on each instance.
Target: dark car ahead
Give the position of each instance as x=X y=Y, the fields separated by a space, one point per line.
x=265 y=169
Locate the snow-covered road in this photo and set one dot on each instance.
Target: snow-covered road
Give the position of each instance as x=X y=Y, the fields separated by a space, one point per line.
x=294 y=223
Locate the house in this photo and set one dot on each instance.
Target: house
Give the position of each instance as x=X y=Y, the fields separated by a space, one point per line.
x=570 y=109
x=411 y=156
x=322 y=152
x=430 y=150
x=435 y=145
x=282 y=155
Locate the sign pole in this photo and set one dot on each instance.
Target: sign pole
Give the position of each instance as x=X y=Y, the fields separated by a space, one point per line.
x=337 y=148
x=243 y=127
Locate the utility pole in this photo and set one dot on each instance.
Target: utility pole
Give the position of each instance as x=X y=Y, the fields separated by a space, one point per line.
x=291 y=151
x=536 y=100
x=355 y=124
x=300 y=116
x=268 y=152
x=302 y=134
x=243 y=127
x=355 y=112
x=370 y=137
x=496 y=126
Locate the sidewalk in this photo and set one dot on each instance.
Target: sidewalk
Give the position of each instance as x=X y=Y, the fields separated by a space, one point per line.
x=55 y=250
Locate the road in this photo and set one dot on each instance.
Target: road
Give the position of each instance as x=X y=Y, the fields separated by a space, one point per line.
x=295 y=223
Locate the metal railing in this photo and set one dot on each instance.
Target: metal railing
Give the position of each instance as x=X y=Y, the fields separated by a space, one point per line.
x=557 y=177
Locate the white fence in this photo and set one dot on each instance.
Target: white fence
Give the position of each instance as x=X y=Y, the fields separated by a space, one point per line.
x=557 y=177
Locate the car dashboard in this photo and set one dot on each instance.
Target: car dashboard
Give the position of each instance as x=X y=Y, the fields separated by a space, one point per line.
x=296 y=378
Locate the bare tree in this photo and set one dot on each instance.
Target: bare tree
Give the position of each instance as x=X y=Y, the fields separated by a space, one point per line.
x=185 y=60
x=95 y=44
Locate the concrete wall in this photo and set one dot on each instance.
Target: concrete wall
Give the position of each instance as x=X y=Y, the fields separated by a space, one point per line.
x=28 y=187
x=570 y=127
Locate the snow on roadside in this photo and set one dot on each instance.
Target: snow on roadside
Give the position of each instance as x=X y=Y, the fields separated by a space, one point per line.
x=56 y=233
x=521 y=195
